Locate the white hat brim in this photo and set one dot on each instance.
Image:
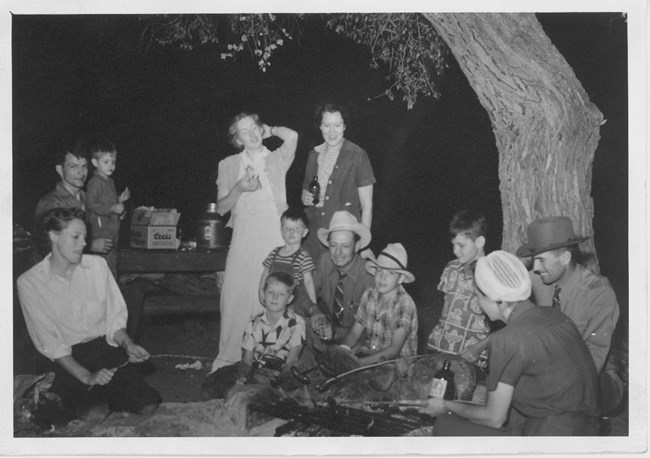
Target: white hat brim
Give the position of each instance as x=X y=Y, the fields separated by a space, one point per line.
x=357 y=228
x=371 y=268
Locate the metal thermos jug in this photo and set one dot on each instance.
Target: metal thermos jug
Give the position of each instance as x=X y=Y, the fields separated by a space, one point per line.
x=211 y=232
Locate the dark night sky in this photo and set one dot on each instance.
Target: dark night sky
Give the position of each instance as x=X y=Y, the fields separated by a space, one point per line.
x=167 y=112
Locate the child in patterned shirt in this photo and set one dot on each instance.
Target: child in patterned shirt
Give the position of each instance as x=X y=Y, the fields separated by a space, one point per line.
x=272 y=343
x=463 y=323
x=386 y=313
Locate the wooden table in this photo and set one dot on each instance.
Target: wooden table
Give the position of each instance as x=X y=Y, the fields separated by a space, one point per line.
x=139 y=261
x=133 y=260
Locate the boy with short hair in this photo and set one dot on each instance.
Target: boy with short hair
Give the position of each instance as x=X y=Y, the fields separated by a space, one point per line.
x=295 y=260
x=462 y=323
x=105 y=207
x=277 y=331
x=387 y=313
x=272 y=340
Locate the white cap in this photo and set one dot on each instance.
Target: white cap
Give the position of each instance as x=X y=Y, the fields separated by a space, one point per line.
x=502 y=277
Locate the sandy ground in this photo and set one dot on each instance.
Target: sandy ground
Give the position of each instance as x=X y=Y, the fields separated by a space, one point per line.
x=182 y=348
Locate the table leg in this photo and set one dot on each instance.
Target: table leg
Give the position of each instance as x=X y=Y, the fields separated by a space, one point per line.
x=135 y=293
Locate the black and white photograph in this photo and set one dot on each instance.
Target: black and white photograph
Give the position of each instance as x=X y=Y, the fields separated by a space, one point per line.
x=345 y=229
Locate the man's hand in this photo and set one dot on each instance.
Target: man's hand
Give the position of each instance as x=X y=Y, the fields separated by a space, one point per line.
x=321 y=325
x=101 y=245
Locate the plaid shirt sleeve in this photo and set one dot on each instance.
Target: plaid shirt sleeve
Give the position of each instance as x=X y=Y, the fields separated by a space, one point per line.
x=404 y=311
x=362 y=312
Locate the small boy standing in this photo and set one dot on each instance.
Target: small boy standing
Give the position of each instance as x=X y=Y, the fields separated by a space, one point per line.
x=272 y=340
x=105 y=207
x=293 y=259
x=462 y=323
x=386 y=313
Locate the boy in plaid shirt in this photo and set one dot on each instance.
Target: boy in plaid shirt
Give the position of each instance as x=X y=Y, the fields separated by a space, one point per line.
x=386 y=313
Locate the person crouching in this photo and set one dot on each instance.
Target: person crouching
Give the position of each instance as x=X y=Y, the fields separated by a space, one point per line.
x=538 y=363
x=76 y=317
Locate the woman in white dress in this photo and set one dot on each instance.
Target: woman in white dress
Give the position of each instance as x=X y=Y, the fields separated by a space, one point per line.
x=251 y=186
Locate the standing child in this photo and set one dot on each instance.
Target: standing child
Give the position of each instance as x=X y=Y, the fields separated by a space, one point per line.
x=273 y=340
x=105 y=207
x=293 y=259
x=462 y=323
x=387 y=316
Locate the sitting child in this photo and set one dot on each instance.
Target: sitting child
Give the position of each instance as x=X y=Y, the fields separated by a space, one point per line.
x=386 y=314
x=462 y=324
x=292 y=258
x=272 y=339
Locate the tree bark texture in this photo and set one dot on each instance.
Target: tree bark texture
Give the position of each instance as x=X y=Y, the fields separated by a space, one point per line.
x=545 y=127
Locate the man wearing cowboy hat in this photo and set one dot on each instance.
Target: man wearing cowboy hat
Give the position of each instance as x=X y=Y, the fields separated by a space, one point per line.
x=585 y=297
x=341 y=276
x=588 y=299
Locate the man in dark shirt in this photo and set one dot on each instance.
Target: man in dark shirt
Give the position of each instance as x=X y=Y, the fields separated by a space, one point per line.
x=538 y=363
x=341 y=276
x=72 y=168
x=559 y=281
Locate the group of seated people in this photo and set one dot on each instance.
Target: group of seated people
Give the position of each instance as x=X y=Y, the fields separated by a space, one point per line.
x=546 y=368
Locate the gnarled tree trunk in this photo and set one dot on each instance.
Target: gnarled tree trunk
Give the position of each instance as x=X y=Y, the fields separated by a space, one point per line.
x=546 y=128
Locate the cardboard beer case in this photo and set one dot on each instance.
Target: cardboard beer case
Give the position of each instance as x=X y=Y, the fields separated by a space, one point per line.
x=154 y=228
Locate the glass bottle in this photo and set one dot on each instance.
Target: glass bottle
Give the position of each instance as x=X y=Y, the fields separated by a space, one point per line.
x=314 y=188
x=443 y=385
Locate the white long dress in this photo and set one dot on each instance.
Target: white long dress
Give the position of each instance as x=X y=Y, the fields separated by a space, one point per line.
x=256 y=231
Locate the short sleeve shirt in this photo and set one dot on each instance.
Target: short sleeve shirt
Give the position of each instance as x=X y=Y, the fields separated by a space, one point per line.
x=380 y=324
x=541 y=354
x=462 y=322
x=264 y=338
x=298 y=263
x=351 y=171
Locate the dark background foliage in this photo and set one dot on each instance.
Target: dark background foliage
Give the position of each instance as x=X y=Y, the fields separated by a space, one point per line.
x=167 y=110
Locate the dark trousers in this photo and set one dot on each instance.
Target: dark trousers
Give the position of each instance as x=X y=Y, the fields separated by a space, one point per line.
x=611 y=393
x=126 y=392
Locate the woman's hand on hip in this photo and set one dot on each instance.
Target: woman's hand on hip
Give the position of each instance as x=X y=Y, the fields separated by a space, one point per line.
x=307 y=198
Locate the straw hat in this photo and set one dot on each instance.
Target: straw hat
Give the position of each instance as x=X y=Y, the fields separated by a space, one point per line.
x=394 y=258
x=345 y=221
x=502 y=277
x=547 y=234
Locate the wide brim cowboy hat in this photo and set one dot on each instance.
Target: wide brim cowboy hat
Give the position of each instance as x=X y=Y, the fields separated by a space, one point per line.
x=548 y=234
x=393 y=258
x=345 y=221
